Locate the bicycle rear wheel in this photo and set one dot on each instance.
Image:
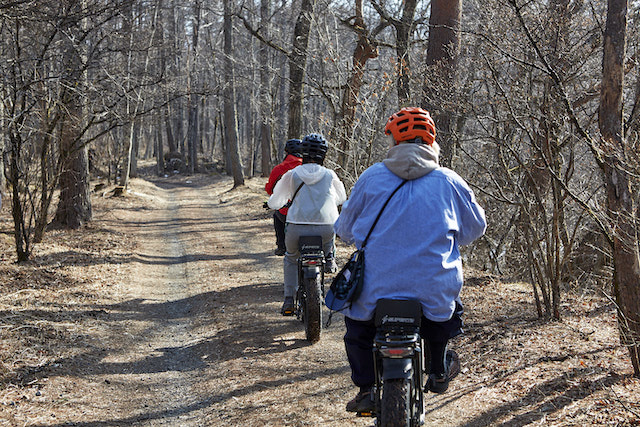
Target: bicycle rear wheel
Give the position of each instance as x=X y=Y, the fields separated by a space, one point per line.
x=395 y=407
x=313 y=308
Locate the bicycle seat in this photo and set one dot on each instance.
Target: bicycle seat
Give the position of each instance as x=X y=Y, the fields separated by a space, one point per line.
x=308 y=244
x=398 y=313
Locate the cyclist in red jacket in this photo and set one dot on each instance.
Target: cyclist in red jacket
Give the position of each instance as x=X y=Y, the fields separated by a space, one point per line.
x=292 y=159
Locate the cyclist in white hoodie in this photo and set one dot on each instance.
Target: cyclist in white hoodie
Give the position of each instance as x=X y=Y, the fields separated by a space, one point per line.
x=315 y=193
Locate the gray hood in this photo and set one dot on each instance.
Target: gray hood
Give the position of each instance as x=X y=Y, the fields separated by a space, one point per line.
x=412 y=160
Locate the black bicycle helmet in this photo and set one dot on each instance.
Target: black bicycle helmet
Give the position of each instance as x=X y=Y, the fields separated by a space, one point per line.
x=314 y=148
x=293 y=147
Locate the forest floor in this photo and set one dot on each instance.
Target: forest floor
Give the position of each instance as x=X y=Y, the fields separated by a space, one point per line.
x=164 y=310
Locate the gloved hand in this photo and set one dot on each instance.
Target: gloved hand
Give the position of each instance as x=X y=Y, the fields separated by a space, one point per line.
x=266 y=205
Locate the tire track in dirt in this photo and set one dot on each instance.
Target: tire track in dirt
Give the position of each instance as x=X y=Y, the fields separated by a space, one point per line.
x=185 y=330
x=161 y=339
x=241 y=362
x=193 y=335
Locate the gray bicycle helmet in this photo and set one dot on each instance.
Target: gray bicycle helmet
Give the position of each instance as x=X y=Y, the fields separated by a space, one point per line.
x=293 y=147
x=314 y=147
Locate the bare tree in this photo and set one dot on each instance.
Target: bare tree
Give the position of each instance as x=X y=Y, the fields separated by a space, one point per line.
x=442 y=57
x=621 y=206
x=404 y=27
x=365 y=49
x=74 y=206
x=136 y=95
x=229 y=94
x=297 y=67
x=265 y=127
x=194 y=102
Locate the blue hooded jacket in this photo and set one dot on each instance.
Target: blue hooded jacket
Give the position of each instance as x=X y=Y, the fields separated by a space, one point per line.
x=413 y=252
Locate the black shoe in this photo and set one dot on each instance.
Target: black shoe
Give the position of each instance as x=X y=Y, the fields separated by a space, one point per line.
x=439 y=383
x=453 y=364
x=280 y=251
x=287 y=307
x=363 y=402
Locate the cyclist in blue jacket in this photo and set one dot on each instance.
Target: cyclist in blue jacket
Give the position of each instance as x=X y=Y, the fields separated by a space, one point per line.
x=413 y=252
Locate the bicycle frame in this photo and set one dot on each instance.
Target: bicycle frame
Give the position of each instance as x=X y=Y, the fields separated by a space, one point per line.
x=399 y=356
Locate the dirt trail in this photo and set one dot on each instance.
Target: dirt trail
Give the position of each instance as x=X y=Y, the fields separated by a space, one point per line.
x=197 y=339
x=186 y=331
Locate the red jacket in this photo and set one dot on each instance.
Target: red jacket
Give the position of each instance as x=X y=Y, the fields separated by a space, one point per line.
x=287 y=164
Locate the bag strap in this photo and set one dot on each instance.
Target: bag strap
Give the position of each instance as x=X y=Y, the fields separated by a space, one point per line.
x=380 y=213
x=328 y=323
x=290 y=202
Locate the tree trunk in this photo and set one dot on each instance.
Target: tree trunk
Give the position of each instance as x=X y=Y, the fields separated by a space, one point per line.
x=620 y=200
x=265 y=86
x=74 y=206
x=403 y=33
x=135 y=148
x=193 y=97
x=230 y=114
x=174 y=69
x=442 y=57
x=297 y=65
x=159 y=145
x=21 y=234
x=171 y=141
x=365 y=50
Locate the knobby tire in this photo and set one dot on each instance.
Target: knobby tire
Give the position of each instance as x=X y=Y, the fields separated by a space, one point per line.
x=313 y=309
x=395 y=406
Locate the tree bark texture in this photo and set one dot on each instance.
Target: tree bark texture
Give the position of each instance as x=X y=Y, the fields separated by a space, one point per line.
x=620 y=200
x=21 y=234
x=159 y=144
x=297 y=66
x=192 y=133
x=403 y=35
x=442 y=58
x=74 y=206
x=230 y=114
x=365 y=50
x=265 y=85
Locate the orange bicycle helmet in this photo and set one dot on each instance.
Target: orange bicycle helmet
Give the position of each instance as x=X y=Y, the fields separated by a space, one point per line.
x=411 y=123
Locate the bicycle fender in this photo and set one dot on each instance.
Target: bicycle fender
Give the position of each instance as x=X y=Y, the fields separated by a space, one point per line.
x=311 y=272
x=396 y=369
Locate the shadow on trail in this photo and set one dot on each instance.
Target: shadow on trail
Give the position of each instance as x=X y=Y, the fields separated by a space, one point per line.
x=572 y=386
x=79 y=258
x=154 y=415
x=211 y=311
x=186 y=181
x=199 y=405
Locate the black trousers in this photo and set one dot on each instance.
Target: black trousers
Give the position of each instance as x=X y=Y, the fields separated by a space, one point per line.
x=278 y=224
x=358 y=341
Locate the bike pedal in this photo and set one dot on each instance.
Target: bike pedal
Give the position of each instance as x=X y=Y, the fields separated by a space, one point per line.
x=288 y=313
x=368 y=414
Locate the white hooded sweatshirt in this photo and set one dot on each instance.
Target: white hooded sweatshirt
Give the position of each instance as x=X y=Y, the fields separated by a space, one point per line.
x=317 y=200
